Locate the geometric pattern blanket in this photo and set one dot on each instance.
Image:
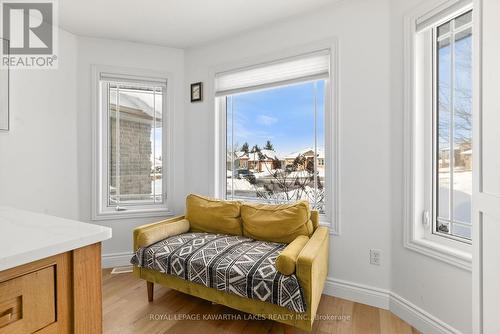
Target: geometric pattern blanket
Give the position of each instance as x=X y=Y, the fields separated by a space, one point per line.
x=232 y=264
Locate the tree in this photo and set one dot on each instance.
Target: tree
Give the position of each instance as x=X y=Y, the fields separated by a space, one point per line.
x=255 y=149
x=455 y=105
x=244 y=148
x=269 y=146
x=285 y=186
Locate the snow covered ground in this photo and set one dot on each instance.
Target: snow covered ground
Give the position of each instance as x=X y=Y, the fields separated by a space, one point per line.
x=462 y=197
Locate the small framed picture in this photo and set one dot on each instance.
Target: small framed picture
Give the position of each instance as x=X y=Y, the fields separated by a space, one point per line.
x=197 y=92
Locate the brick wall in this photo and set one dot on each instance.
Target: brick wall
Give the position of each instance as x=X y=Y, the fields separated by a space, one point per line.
x=135 y=157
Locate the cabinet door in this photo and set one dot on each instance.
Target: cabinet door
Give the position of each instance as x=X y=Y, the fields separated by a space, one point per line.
x=28 y=302
x=37 y=297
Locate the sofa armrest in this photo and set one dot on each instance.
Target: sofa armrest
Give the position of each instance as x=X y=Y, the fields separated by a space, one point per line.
x=287 y=259
x=312 y=267
x=146 y=235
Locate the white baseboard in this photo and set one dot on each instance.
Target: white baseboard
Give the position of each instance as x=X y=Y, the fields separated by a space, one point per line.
x=357 y=292
x=112 y=260
x=419 y=318
x=382 y=298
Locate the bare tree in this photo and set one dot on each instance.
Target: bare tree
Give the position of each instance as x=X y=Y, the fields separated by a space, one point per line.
x=293 y=184
x=461 y=90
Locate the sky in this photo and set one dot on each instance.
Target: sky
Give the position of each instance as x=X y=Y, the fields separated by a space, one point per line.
x=283 y=115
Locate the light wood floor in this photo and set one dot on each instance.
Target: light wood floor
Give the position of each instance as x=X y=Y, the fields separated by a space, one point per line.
x=126 y=310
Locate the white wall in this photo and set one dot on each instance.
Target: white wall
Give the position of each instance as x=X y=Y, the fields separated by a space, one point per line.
x=441 y=289
x=38 y=156
x=365 y=113
x=132 y=55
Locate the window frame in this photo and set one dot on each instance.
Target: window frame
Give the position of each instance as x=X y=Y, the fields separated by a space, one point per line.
x=420 y=139
x=330 y=218
x=100 y=208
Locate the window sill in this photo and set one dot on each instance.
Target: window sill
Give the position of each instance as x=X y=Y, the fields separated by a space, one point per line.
x=459 y=258
x=146 y=213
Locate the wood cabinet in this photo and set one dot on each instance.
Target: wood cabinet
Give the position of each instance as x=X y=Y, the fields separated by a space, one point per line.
x=59 y=294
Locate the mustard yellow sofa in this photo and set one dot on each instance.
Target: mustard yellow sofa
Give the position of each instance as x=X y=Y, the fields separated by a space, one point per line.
x=306 y=254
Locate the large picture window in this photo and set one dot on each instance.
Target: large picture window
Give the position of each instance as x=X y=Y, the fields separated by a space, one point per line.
x=275 y=144
x=275 y=131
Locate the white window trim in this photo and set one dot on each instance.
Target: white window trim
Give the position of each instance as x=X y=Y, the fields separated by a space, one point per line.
x=99 y=210
x=331 y=218
x=417 y=165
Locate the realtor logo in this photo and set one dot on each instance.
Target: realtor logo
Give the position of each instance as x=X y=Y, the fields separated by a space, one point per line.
x=31 y=30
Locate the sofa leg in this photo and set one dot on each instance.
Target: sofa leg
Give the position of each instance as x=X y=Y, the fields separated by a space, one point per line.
x=150 y=291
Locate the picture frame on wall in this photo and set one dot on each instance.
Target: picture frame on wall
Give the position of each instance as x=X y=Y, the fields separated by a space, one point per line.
x=4 y=89
x=197 y=92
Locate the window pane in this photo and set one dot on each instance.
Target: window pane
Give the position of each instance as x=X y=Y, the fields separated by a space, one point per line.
x=320 y=146
x=444 y=29
x=275 y=144
x=231 y=150
x=454 y=130
x=463 y=19
x=135 y=146
x=156 y=139
x=112 y=140
x=462 y=169
x=443 y=128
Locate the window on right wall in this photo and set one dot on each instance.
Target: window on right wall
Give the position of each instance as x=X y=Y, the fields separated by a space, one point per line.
x=438 y=131
x=452 y=124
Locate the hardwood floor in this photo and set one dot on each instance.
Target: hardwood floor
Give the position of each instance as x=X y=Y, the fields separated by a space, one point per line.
x=126 y=310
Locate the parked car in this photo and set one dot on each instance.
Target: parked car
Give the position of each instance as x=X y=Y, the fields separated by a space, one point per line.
x=242 y=173
x=245 y=174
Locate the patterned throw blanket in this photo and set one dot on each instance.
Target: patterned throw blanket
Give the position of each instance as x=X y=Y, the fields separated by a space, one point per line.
x=233 y=264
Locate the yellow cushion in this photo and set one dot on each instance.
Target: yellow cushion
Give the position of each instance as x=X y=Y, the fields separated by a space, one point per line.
x=161 y=231
x=315 y=219
x=211 y=215
x=285 y=263
x=276 y=223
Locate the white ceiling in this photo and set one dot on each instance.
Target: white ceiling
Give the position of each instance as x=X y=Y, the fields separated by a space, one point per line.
x=176 y=23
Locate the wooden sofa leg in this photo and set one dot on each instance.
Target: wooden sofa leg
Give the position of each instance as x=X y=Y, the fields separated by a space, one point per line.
x=150 y=291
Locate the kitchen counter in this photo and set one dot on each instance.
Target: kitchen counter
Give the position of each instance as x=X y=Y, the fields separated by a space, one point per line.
x=26 y=236
x=50 y=274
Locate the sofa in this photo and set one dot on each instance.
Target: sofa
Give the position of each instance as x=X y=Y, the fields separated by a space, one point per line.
x=267 y=260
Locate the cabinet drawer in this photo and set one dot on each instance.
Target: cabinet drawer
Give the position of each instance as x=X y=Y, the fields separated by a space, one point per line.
x=27 y=303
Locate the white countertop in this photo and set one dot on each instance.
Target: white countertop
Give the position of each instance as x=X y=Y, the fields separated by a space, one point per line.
x=26 y=236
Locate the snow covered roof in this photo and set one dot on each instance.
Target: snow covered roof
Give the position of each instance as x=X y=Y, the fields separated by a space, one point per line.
x=268 y=154
x=320 y=153
x=241 y=154
x=135 y=103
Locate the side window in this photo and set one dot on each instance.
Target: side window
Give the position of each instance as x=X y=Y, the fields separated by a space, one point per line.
x=453 y=127
x=131 y=145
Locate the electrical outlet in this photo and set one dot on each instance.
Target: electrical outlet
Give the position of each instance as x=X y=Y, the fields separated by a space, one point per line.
x=375 y=256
